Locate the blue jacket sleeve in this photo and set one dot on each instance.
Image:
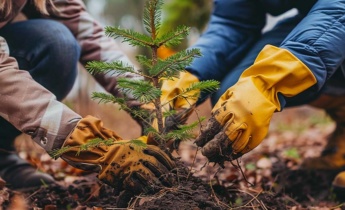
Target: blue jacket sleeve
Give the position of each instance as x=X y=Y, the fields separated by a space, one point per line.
x=234 y=26
x=319 y=40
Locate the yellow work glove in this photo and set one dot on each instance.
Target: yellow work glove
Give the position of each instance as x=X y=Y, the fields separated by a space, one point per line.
x=240 y=119
x=121 y=165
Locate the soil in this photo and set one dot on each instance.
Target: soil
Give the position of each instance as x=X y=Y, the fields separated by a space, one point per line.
x=283 y=189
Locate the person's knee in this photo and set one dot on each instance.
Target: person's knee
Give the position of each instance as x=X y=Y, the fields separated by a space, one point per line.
x=59 y=53
x=59 y=40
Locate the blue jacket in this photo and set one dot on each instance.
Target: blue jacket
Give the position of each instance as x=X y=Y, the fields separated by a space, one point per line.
x=318 y=40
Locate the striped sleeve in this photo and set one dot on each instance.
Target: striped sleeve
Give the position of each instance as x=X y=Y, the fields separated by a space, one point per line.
x=30 y=107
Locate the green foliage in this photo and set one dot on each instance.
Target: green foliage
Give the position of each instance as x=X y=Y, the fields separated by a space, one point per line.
x=174 y=64
x=115 y=67
x=292 y=153
x=130 y=36
x=152 y=15
x=239 y=201
x=250 y=166
x=174 y=38
x=97 y=142
x=142 y=90
x=184 y=132
x=208 y=86
x=191 y=13
x=106 y=98
x=144 y=61
x=137 y=144
x=58 y=152
x=154 y=70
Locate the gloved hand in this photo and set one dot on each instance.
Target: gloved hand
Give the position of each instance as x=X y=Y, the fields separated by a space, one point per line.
x=241 y=117
x=120 y=165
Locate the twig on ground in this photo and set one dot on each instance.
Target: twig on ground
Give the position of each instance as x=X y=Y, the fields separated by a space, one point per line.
x=193 y=162
x=214 y=195
x=251 y=200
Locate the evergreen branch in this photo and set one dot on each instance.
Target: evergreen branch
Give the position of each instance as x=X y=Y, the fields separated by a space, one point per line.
x=151 y=131
x=137 y=144
x=139 y=113
x=141 y=90
x=169 y=113
x=174 y=63
x=108 y=98
x=136 y=113
x=56 y=153
x=155 y=134
x=105 y=98
x=151 y=17
x=132 y=37
x=173 y=38
x=184 y=132
x=97 y=142
x=207 y=86
x=144 y=61
x=95 y=67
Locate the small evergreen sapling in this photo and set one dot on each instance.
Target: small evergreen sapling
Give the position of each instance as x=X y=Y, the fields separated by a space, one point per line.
x=154 y=70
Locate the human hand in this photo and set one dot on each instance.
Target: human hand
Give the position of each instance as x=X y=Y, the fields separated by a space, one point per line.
x=238 y=124
x=119 y=163
x=240 y=119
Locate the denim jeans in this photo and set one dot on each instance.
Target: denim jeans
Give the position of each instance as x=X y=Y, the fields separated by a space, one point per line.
x=49 y=52
x=334 y=86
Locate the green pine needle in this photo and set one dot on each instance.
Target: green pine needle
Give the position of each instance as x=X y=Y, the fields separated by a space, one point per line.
x=132 y=37
x=104 y=97
x=56 y=153
x=116 y=67
x=97 y=142
x=184 y=132
x=207 y=86
x=173 y=38
x=144 y=61
x=175 y=63
x=152 y=16
x=155 y=70
x=141 y=90
x=137 y=144
x=169 y=113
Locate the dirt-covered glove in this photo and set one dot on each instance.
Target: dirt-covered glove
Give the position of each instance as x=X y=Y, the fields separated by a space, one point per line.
x=240 y=119
x=118 y=162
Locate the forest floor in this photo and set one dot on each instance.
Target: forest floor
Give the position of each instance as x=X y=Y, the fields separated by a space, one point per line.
x=266 y=178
